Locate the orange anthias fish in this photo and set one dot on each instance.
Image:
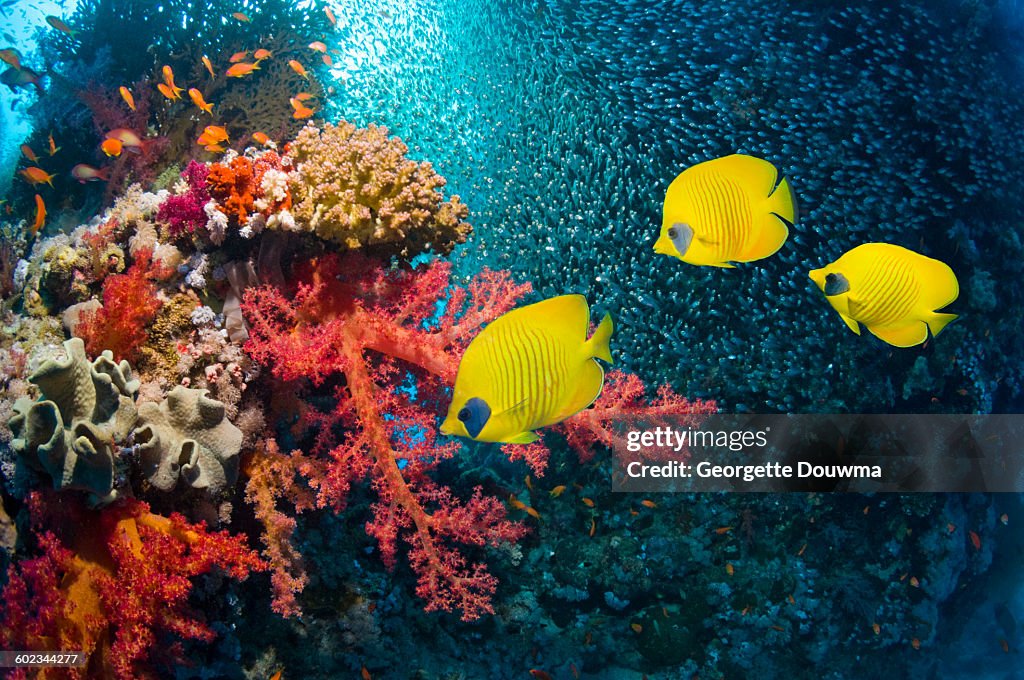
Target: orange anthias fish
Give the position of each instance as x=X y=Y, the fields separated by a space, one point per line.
x=166 y=91
x=59 y=24
x=169 y=80
x=261 y=54
x=238 y=56
x=261 y=138
x=305 y=96
x=318 y=46
x=299 y=68
x=29 y=153
x=127 y=137
x=330 y=16
x=197 y=98
x=212 y=138
x=112 y=147
x=301 y=110
x=326 y=58
x=34 y=175
x=11 y=57
x=86 y=173
x=975 y=540
x=242 y=69
x=40 y=215
x=53 y=146
x=209 y=66
x=126 y=95
x=241 y=16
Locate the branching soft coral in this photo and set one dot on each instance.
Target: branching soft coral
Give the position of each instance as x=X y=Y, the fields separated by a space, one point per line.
x=183 y=213
x=355 y=186
x=109 y=590
x=129 y=305
x=384 y=331
x=353 y=318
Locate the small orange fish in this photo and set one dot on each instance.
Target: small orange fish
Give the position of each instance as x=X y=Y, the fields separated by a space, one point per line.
x=261 y=54
x=575 y=671
x=29 y=153
x=60 y=25
x=241 y=16
x=216 y=132
x=533 y=513
x=209 y=66
x=746 y=610
x=197 y=98
x=915 y=643
x=637 y=628
x=1005 y=645
x=529 y=484
x=723 y=530
x=539 y=674
x=168 y=74
x=801 y=551
x=277 y=675
x=11 y=57
x=516 y=503
x=261 y=138
x=112 y=147
x=305 y=96
x=876 y=628
x=214 y=148
x=53 y=146
x=326 y=58
x=318 y=46
x=779 y=628
x=903 y=577
x=648 y=503
x=950 y=527
x=557 y=491
x=791 y=599
x=914 y=582
x=242 y=69
x=301 y=110
x=587 y=502
x=299 y=68
x=729 y=569
x=40 y=215
x=127 y=137
x=593 y=527
x=166 y=91
x=372 y=607
x=975 y=540
x=1004 y=518
x=86 y=173
x=238 y=56
x=35 y=175
x=330 y=16
x=126 y=95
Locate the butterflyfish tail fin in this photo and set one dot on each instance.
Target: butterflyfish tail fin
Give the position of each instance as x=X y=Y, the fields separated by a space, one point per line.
x=937 y=321
x=599 y=343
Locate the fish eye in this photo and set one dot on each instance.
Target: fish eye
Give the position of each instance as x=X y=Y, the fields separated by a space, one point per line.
x=464 y=414
x=836 y=284
x=673 y=232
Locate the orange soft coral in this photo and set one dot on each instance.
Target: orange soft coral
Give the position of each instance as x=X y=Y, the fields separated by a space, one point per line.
x=233 y=186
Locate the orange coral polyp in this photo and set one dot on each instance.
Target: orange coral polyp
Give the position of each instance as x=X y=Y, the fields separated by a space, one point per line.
x=232 y=186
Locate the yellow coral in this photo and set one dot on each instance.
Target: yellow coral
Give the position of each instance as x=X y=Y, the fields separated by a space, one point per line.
x=356 y=187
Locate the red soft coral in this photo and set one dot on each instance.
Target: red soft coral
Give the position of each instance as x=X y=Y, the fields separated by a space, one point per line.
x=130 y=304
x=108 y=581
x=375 y=327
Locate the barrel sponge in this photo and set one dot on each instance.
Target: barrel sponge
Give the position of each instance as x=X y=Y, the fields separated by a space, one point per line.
x=356 y=187
x=186 y=439
x=73 y=430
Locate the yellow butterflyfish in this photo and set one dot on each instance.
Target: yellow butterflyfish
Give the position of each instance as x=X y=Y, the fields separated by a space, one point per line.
x=531 y=367
x=731 y=209
x=893 y=291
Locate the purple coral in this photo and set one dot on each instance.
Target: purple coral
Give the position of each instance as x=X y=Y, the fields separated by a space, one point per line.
x=183 y=213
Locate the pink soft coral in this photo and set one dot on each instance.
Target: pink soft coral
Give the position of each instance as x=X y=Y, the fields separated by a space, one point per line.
x=183 y=213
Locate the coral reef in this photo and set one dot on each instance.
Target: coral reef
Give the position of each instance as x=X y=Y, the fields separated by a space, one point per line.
x=355 y=186
x=186 y=439
x=73 y=431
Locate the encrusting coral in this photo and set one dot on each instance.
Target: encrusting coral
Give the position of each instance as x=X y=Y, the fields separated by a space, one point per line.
x=71 y=432
x=356 y=187
x=187 y=439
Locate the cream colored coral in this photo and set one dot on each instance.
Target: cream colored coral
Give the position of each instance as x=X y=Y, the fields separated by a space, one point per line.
x=72 y=432
x=187 y=439
x=356 y=187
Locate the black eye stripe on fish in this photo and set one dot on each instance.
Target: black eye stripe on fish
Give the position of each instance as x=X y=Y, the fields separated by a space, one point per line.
x=681 y=235
x=477 y=414
x=836 y=284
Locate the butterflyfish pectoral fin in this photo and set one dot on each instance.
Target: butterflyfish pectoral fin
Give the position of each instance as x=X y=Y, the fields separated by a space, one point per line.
x=852 y=323
x=902 y=336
